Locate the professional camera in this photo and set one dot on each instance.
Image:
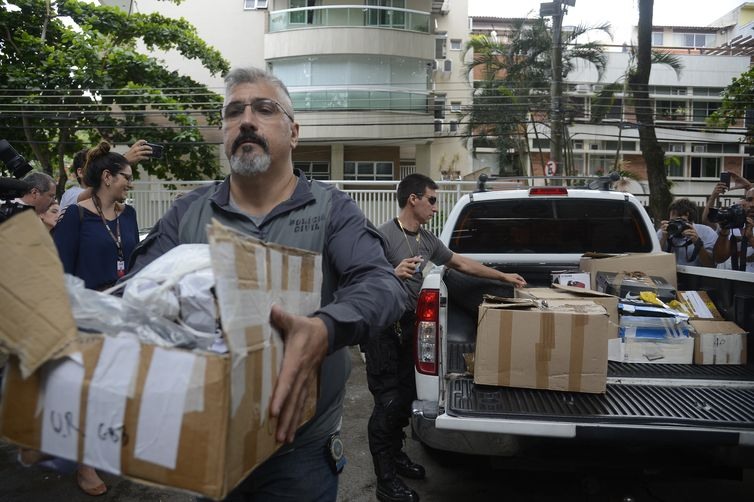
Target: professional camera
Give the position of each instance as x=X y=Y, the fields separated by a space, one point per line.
x=677 y=226
x=12 y=188
x=732 y=217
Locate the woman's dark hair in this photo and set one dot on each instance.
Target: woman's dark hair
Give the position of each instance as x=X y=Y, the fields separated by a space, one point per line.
x=100 y=159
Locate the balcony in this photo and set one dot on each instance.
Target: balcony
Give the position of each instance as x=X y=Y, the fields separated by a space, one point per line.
x=345 y=98
x=360 y=16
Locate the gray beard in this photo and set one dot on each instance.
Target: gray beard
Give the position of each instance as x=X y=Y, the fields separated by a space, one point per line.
x=244 y=165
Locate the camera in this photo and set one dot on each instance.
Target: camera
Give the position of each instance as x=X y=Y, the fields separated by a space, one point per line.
x=12 y=188
x=677 y=226
x=732 y=217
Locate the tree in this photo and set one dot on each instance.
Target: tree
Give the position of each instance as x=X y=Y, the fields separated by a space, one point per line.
x=660 y=196
x=736 y=104
x=514 y=90
x=72 y=75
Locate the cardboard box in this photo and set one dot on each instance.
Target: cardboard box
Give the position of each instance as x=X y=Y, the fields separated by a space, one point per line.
x=578 y=279
x=191 y=420
x=658 y=340
x=652 y=264
x=718 y=342
x=698 y=305
x=559 y=292
x=625 y=285
x=559 y=347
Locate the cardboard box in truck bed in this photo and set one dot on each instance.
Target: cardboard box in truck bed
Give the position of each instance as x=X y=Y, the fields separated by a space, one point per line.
x=562 y=346
x=192 y=420
x=652 y=264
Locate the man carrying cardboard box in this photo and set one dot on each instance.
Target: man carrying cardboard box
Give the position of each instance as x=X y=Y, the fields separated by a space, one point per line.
x=266 y=198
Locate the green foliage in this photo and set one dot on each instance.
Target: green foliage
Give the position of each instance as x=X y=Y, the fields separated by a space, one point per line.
x=517 y=74
x=72 y=75
x=737 y=99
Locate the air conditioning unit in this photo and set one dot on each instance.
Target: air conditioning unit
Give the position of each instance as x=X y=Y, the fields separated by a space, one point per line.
x=597 y=88
x=439 y=65
x=700 y=149
x=582 y=88
x=594 y=146
x=578 y=145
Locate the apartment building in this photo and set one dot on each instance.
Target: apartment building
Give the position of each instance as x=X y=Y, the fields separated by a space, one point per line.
x=378 y=86
x=696 y=153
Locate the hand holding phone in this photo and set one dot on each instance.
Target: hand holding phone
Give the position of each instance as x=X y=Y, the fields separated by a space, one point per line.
x=156 y=150
x=725 y=179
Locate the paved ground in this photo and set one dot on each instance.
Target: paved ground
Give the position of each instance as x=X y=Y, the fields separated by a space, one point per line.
x=559 y=475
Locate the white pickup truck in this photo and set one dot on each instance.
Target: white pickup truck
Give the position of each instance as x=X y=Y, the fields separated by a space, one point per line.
x=534 y=232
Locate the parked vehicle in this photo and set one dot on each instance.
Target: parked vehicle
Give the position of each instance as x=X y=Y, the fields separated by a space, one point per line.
x=535 y=232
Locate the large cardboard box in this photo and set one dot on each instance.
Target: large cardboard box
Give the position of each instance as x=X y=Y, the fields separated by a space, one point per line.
x=560 y=292
x=718 y=342
x=562 y=346
x=196 y=421
x=653 y=264
x=630 y=285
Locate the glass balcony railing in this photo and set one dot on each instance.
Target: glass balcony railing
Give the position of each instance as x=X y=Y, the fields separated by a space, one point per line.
x=360 y=99
x=349 y=15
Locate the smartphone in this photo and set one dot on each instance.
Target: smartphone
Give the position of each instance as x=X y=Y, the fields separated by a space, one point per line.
x=725 y=178
x=156 y=150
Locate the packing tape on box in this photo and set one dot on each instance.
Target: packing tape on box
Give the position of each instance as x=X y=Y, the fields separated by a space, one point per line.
x=113 y=376
x=543 y=348
x=163 y=400
x=576 y=360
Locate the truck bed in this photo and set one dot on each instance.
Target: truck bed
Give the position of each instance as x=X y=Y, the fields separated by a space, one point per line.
x=665 y=401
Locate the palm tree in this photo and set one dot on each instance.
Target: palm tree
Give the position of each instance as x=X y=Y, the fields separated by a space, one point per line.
x=516 y=74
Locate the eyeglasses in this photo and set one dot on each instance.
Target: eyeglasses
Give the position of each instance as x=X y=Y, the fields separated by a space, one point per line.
x=432 y=200
x=263 y=109
x=129 y=177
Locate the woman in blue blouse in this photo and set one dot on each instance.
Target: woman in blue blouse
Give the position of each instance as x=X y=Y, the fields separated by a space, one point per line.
x=96 y=240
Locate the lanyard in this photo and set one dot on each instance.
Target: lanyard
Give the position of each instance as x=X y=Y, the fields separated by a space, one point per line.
x=120 y=265
x=405 y=235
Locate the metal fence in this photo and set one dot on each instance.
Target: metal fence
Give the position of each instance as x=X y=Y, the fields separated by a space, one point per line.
x=376 y=198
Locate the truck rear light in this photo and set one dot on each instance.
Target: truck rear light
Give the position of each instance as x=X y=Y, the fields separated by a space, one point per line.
x=544 y=191
x=428 y=316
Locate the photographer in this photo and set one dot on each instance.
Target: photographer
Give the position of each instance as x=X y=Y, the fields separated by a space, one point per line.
x=41 y=194
x=692 y=243
x=736 y=243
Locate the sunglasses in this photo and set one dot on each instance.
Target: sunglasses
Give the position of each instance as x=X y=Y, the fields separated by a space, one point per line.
x=432 y=200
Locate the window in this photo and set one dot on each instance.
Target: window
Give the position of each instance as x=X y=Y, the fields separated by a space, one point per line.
x=439 y=107
x=696 y=39
x=674 y=147
x=670 y=110
x=550 y=226
x=455 y=44
x=453 y=126
x=387 y=17
x=705 y=167
x=624 y=145
x=455 y=106
x=254 y=4
x=708 y=91
x=666 y=89
x=675 y=165
x=440 y=48
x=600 y=164
x=314 y=170
x=370 y=171
x=703 y=109
x=656 y=38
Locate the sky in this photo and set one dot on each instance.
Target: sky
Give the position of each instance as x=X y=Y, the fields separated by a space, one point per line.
x=622 y=14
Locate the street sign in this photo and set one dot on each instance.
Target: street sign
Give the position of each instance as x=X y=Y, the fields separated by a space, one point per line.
x=550 y=168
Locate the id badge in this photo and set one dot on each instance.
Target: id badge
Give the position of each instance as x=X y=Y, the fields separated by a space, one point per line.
x=120 y=267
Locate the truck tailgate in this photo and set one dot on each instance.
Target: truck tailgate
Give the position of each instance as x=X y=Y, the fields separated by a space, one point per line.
x=714 y=403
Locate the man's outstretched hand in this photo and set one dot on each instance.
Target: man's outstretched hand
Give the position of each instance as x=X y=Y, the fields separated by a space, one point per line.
x=305 y=347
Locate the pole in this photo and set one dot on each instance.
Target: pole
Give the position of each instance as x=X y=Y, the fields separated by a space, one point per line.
x=556 y=89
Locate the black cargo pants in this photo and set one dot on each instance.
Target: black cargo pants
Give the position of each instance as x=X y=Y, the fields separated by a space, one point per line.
x=390 y=376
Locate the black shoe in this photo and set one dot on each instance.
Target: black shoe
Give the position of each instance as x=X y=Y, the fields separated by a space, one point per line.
x=406 y=468
x=395 y=490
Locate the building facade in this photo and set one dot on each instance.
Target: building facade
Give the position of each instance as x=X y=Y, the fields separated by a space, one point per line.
x=377 y=86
